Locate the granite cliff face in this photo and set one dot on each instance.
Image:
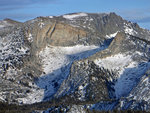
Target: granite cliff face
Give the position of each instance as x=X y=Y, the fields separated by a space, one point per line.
x=97 y=59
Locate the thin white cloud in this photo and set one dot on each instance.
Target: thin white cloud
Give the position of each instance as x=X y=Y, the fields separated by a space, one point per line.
x=140 y=16
x=137 y=15
x=18 y=16
x=6 y=5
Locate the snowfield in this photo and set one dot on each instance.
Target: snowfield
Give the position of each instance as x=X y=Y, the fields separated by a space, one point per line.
x=70 y=17
x=115 y=63
x=54 y=58
x=128 y=72
x=56 y=62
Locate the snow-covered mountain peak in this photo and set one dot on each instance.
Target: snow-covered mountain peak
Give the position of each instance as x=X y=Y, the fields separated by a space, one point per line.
x=77 y=58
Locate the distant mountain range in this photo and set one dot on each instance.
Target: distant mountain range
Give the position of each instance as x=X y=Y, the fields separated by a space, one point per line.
x=87 y=61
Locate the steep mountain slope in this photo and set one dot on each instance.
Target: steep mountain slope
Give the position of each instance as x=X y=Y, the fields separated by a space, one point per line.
x=7 y=23
x=120 y=67
x=100 y=59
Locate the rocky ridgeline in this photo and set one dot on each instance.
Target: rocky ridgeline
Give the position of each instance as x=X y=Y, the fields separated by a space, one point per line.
x=100 y=59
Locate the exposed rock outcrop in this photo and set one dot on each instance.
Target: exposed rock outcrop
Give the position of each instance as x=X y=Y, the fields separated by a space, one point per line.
x=93 y=58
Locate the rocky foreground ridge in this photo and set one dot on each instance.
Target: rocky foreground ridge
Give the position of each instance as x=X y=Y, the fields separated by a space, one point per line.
x=99 y=61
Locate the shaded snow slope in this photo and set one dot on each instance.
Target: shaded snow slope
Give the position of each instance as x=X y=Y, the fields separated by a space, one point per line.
x=129 y=79
x=56 y=63
x=54 y=58
x=142 y=91
x=128 y=72
x=35 y=70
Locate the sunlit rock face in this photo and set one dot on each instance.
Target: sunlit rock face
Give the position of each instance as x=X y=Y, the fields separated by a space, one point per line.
x=99 y=59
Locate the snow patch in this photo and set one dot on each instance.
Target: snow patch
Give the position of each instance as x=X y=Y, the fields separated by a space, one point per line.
x=82 y=91
x=54 y=58
x=91 y=19
x=70 y=17
x=30 y=38
x=56 y=63
x=23 y=50
x=50 y=16
x=33 y=97
x=41 y=24
x=1 y=26
x=115 y=63
x=111 y=35
x=128 y=72
x=139 y=53
x=77 y=109
x=129 y=30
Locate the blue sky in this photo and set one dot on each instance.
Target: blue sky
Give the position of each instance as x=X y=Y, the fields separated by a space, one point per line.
x=22 y=10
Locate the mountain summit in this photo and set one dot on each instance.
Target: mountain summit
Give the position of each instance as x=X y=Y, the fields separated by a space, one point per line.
x=93 y=61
